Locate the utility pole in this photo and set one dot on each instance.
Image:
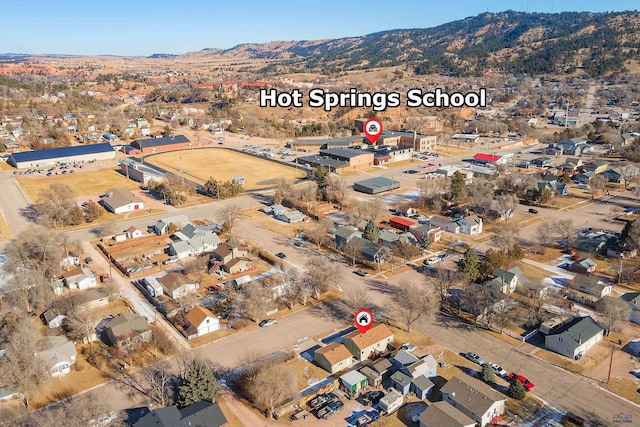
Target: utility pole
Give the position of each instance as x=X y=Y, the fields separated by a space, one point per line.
x=620 y=271
x=610 y=361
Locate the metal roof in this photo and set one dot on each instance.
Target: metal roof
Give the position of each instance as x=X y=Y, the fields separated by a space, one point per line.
x=52 y=153
x=155 y=142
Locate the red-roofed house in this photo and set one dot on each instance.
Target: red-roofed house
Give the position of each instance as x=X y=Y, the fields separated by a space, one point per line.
x=401 y=223
x=489 y=158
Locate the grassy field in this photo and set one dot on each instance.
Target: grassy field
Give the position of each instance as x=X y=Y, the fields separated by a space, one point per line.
x=83 y=183
x=5 y=232
x=200 y=165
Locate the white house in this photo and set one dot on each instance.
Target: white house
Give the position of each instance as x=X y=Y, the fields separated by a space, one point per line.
x=202 y=321
x=177 y=285
x=574 y=338
x=58 y=355
x=291 y=216
x=153 y=286
x=471 y=224
x=446 y=224
x=80 y=278
x=133 y=232
x=118 y=200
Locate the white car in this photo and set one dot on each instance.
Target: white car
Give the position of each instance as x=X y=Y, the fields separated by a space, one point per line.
x=408 y=347
x=430 y=261
x=499 y=370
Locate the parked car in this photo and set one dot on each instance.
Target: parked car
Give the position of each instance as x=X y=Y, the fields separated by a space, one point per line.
x=281 y=255
x=267 y=322
x=499 y=370
x=336 y=406
x=528 y=385
x=474 y=358
x=373 y=397
x=408 y=347
x=319 y=401
x=88 y=260
x=170 y=261
x=361 y=273
x=430 y=261
x=533 y=211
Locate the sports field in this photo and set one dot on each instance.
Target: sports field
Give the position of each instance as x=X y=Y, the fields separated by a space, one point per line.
x=91 y=183
x=201 y=164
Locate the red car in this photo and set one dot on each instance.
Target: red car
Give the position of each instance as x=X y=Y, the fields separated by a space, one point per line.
x=528 y=385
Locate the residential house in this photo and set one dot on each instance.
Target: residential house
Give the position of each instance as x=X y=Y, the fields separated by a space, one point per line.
x=203 y=413
x=554 y=186
x=446 y=224
x=9 y=393
x=291 y=216
x=633 y=300
x=80 y=278
x=596 y=166
x=177 y=285
x=391 y=402
x=571 y=147
x=238 y=265
x=474 y=398
x=470 y=224
x=225 y=252
x=442 y=414
x=375 y=340
x=52 y=318
x=388 y=237
x=201 y=321
x=434 y=232
x=507 y=279
x=541 y=161
x=133 y=232
x=196 y=244
x=274 y=210
x=593 y=241
x=118 y=200
x=353 y=382
x=422 y=387
x=620 y=175
x=584 y=266
x=590 y=285
x=373 y=252
x=333 y=357
x=382 y=366
x=575 y=337
x=403 y=358
x=127 y=330
x=401 y=382
x=162 y=226
x=426 y=366
x=58 y=355
x=90 y=299
x=343 y=235
x=374 y=378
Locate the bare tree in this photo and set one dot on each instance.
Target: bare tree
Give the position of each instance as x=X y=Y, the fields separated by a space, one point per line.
x=507 y=203
x=79 y=411
x=411 y=303
x=373 y=208
x=597 y=183
x=283 y=191
x=289 y=281
x=506 y=235
x=405 y=250
x=319 y=233
x=80 y=326
x=444 y=280
x=228 y=215
x=108 y=228
x=353 y=248
x=156 y=382
x=565 y=229
x=54 y=205
x=503 y=310
x=254 y=302
x=336 y=189
x=321 y=275
x=358 y=298
x=613 y=311
x=482 y=195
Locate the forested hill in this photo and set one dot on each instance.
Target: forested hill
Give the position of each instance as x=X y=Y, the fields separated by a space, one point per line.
x=600 y=43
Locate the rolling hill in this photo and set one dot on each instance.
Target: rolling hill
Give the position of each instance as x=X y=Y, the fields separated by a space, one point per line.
x=517 y=42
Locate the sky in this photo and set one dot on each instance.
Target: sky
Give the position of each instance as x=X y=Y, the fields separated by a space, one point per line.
x=144 y=27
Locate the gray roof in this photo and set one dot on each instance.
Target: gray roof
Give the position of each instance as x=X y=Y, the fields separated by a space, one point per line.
x=586 y=263
x=388 y=236
x=423 y=383
x=401 y=378
x=377 y=182
x=472 y=394
x=118 y=197
x=442 y=414
x=577 y=330
x=341 y=153
x=421 y=367
x=178 y=221
x=345 y=232
x=353 y=377
x=201 y=414
x=405 y=358
x=322 y=161
x=125 y=323
x=381 y=365
x=504 y=274
x=180 y=246
x=57 y=349
x=156 y=142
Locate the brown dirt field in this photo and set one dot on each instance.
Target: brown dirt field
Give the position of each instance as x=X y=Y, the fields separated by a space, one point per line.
x=91 y=183
x=625 y=387
x=199 y=165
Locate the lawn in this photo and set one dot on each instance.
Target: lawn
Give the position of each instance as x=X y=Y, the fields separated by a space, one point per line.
x=5 y=231
x=222 y=164
x=91 y=183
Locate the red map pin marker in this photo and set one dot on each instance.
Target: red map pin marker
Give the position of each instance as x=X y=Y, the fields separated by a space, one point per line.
x=363 y=320
x=373 y=130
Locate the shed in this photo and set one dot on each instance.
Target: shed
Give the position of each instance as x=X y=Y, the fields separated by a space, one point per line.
x=373 y=378
x=376 y=185
x=403 y=224
x=401 y=382
x=353 y=382
x=422 y=387
x=391 y=402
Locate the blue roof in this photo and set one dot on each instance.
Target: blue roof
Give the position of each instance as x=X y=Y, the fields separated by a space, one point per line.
x=52 y=153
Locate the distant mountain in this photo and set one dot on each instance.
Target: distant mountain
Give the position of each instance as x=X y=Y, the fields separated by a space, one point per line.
x=599 y=43
x=161 y=56
x=13 y=56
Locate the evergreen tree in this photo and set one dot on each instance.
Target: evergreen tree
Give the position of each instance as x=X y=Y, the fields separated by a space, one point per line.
x=371 y=231
x=321 y=177
x=425 y=242
x=458 y=187
x=469 y=265
x=517 y=390
x=199 y=384
x=488 y=375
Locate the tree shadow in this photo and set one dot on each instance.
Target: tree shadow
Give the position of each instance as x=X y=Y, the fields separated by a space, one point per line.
x=335 y=309
x=380 y=286
x=451 y=321
x=29 y=213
